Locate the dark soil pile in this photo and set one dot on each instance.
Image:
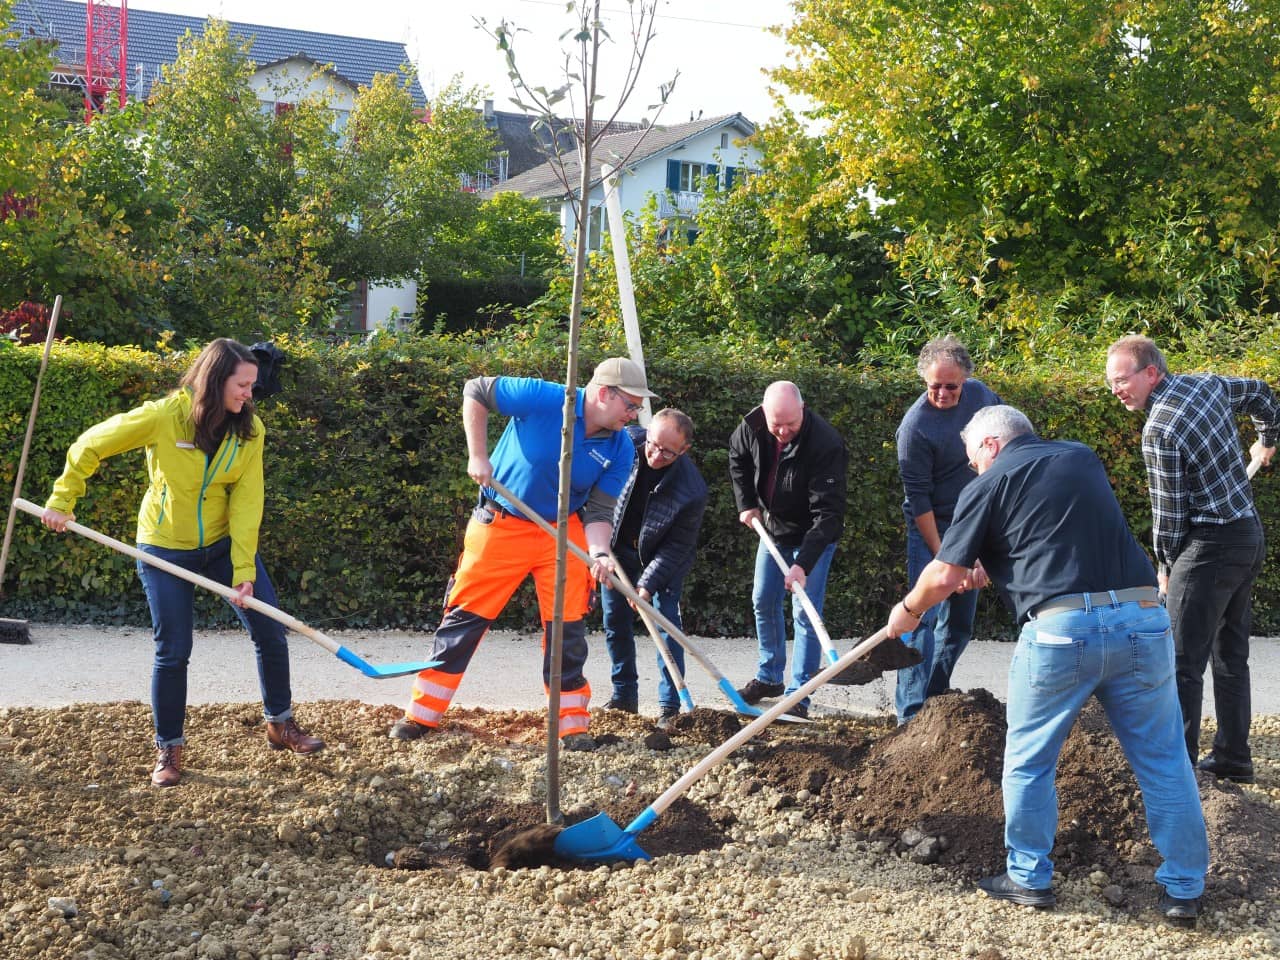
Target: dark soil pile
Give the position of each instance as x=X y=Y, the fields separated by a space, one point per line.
x=941 y=775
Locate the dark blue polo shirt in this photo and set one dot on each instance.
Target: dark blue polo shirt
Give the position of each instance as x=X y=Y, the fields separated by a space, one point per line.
x=1044 y=521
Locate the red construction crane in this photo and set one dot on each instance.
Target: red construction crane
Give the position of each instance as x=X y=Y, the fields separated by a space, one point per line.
x=106 y=36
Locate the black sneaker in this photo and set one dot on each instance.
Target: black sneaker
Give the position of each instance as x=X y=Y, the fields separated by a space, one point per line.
x=1004 y=888
x=1181 y=912
x=1225 y=770
x=623 y=704
x=667 y=718
x=799 y=710
x=406 y=729
x=757 y=690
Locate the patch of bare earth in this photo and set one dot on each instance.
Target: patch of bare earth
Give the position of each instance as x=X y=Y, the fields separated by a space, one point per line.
x=259 y=854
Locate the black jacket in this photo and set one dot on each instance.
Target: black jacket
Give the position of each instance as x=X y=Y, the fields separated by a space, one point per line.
x=672 y=519
x=809 y=496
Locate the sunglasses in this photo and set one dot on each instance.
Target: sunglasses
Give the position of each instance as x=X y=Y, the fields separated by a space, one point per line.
x=939 y=387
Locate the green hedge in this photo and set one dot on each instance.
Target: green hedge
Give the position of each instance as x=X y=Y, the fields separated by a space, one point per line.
x=367 y=494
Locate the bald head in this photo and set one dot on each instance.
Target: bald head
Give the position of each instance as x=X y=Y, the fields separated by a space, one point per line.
x=783 y=410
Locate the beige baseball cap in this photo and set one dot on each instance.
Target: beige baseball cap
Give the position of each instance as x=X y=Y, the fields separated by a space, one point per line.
x=625 y=374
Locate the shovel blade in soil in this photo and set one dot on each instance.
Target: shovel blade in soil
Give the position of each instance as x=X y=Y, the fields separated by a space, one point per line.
x=744 y=709
x=387 y=670
x=599 y=838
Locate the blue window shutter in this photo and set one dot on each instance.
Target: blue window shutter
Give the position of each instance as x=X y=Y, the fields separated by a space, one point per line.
x=673 y=175
x=729 y=173
x=713 y=171
x=692 y=235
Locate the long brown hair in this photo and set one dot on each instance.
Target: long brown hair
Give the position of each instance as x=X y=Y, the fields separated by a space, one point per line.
x=207 y=378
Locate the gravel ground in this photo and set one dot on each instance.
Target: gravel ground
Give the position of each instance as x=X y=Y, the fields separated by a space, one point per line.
x=263 y=855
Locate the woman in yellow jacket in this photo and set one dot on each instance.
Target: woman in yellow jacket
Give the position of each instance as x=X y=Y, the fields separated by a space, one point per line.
x=201 y=511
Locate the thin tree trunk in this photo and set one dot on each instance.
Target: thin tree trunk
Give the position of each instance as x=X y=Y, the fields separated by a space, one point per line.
x=554 y=814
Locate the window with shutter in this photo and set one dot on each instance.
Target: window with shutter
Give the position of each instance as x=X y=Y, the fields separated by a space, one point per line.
x=673 y=174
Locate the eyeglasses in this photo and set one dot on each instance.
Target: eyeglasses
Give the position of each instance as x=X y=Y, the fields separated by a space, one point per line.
x=631 y=407
x=939 y=387
x=1123 y=382
x=662 y=452
x=973 y=460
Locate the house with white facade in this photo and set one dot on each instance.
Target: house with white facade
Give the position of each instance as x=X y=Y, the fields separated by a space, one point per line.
x=289 y=65
x=676 y=163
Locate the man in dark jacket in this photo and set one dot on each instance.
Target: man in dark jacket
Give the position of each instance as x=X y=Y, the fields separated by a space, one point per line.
x=655 y=529
x=788 y=465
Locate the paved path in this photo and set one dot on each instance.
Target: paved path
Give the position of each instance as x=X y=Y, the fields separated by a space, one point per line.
x=64 y=665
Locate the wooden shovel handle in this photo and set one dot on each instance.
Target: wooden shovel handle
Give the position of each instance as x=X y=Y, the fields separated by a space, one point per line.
x=797 y=591
x=26 y=442
x=253 y=603
x=700 y=769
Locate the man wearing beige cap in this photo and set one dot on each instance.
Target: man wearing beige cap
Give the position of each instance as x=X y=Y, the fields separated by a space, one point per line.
x=502 y=547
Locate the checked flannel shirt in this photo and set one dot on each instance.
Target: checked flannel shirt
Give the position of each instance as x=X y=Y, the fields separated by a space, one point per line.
x=1191 y=445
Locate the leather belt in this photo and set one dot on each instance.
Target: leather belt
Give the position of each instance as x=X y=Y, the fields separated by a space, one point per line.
x=493 y=506
x=1104 y=598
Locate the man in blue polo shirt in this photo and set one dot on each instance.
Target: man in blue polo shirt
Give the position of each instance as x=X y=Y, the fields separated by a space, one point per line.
x=1044 y=520
x=501 y=548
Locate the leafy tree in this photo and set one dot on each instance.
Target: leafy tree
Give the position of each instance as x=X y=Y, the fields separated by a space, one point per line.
x=1072 y=148
x=512 y=235
x=200 y=214
x=30 y=200
x=391 y=188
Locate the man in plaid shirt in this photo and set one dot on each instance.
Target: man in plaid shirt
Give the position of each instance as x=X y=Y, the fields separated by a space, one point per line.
x=1208 y=539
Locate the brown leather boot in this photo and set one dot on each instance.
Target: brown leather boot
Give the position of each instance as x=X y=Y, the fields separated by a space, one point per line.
x=289 y=736
x=168 y=769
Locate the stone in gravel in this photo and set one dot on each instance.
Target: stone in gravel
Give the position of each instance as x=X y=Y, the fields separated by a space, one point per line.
x=926 y=851
x=657 y=740
x=1113 y=894
x=528 y=848
x=913 y=835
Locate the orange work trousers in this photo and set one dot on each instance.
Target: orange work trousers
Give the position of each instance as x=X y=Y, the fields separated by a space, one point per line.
x=499 y=551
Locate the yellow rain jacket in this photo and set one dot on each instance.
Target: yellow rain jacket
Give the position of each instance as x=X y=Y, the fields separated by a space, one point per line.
x=192 y=500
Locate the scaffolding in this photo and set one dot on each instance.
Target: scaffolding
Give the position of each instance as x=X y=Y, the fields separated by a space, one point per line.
x=106 y=36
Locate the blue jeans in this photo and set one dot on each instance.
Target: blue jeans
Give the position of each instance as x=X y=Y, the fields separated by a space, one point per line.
x=619 y=635
x=767 y=598
x=945 y=630
x=172 y=621
x=1123 y=655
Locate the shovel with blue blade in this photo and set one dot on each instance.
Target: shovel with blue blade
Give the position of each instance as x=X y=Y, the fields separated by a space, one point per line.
x=253 y=603
x=600 y=838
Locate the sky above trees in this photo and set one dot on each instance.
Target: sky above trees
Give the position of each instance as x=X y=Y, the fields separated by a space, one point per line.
x=722 y=48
